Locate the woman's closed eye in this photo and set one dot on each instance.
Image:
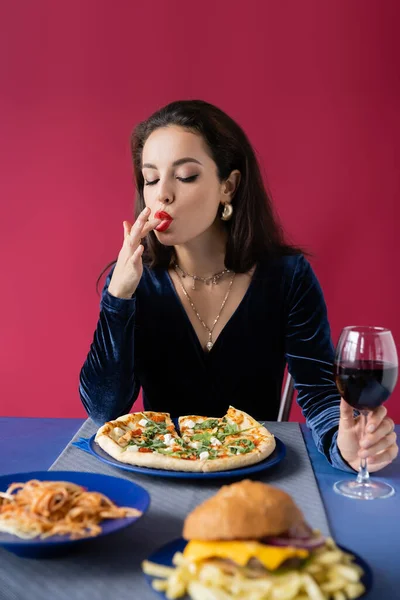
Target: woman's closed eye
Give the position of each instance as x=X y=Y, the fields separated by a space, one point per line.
x=183 y=179
x=188 y=179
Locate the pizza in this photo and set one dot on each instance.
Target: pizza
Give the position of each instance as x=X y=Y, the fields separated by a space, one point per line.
x=203 y=444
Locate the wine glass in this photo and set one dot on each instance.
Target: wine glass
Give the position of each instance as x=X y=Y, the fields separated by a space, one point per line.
x=366 y=368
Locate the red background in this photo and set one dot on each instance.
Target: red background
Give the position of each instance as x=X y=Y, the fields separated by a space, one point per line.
x=315 y=85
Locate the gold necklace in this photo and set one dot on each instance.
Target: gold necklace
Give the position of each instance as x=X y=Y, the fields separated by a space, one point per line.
x=209 y=330
x=207 y=280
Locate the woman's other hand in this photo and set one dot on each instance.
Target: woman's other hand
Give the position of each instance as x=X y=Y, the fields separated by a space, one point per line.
x=129 y=267
x=378 y=444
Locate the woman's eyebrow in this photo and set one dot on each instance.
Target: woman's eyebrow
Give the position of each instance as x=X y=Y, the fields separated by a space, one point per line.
x=177 y=163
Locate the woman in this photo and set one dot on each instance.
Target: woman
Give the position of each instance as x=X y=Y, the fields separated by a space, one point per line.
x=206 y=302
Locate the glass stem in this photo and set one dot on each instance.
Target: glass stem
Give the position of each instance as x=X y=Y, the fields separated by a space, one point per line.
x=363 y=475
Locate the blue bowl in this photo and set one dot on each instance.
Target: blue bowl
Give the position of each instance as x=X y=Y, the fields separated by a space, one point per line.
x=121 y=491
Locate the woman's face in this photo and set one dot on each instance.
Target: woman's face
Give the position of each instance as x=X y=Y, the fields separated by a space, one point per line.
x=181 y=181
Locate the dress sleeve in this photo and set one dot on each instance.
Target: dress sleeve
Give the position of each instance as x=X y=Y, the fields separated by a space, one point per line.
x=310 y=354
x=108 y=386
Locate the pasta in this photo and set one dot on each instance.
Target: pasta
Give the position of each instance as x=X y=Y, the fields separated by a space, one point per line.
x=47 y=508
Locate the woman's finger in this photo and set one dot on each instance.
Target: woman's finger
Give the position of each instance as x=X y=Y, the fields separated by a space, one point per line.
x=136 y=231
x=136 y=239
x=385 y=427
x=346 y=415
x=127 y=228
x=387 y=456
x=137 y=254
x=375 y=418
x=374 y=467
x=384 y=443
x=149 y=226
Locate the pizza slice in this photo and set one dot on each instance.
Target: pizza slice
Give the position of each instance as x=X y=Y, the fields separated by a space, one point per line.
x=146 y=439
x=233 y=441
x=142 y=432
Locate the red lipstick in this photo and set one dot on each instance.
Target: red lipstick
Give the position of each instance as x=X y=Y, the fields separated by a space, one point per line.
x=166 y=220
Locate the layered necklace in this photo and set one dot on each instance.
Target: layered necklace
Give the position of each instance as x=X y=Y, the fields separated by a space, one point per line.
x=207 y=280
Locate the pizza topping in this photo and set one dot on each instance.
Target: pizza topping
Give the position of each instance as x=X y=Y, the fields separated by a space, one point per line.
x=159 y=418
x=144 y=449
x=203 y=455
x=212 y=452
x=207 y=424
x=215 y=442
x=143 y=422
x=168 y=439
x=241 y=446
x=229 y=429
x=204 y=438
x=189 y=424
x=151 y=444
x=152 y=429
x=125 y=439
x=222 y=442
x=156 y=443
x=180 y=442
x=133 y=448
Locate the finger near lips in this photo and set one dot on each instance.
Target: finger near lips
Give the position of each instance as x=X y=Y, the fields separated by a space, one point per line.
x=145 y=212
x=142 y=226
x=149 y=226
x=141 y=219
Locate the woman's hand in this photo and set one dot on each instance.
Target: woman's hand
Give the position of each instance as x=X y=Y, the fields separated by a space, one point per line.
x=378 y=445
x=129 y=267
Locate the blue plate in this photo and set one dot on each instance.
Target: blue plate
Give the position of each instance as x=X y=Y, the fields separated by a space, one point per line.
x=121 y=491
x=163 y=556
x=90 y=446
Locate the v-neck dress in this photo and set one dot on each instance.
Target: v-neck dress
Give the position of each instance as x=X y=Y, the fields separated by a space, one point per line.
x=149 y=342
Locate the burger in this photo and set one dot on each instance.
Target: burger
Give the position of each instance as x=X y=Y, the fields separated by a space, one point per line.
x=251 y=541
x=251 y=527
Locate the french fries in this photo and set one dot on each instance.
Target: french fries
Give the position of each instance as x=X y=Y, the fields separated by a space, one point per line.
x=329 y=574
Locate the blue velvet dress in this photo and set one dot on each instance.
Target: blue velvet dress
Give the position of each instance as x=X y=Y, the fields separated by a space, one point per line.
x=149 y=342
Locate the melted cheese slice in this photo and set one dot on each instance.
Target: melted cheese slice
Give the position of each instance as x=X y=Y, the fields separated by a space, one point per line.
x=241 y=552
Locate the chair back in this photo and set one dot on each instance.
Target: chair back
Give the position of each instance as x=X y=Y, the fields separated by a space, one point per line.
x=286 y=399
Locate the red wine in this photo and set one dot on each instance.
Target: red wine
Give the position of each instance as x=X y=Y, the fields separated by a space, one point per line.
x=365 y=385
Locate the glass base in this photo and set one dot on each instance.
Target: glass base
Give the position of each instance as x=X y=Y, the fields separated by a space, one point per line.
x=371 y=490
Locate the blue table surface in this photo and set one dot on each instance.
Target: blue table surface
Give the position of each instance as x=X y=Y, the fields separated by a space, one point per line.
x=369 y=528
